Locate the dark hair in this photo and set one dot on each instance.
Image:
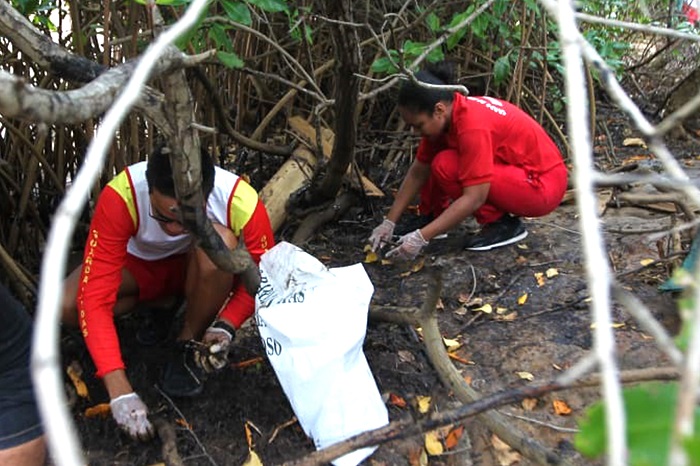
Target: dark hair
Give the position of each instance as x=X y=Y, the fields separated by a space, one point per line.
x=159 y=173
x=422 y=99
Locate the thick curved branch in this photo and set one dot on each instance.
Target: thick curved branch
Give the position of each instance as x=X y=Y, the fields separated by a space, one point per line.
x=21 y=100
x=41 y=50
x=425 y=318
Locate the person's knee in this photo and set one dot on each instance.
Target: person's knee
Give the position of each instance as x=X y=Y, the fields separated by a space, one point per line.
x=205 y=265
x=31 y=453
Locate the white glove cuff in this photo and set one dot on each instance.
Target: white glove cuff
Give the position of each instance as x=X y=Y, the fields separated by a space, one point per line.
x=123 y=397
x=220 y=331
x=389 y=222
x=420 y=235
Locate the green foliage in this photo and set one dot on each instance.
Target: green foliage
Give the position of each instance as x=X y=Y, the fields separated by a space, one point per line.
x=37 y=11
x=202 y=35
x=650 y=409
x=411 y=51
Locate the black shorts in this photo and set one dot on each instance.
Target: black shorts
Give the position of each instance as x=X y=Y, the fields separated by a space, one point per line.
x=19 y=418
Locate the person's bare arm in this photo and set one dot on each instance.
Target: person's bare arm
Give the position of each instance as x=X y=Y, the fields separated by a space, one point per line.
x=471 y=199
x=117 y=384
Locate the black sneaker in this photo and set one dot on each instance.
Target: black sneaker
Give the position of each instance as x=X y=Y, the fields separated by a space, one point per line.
x=412 y=223
x=181 y=376
x=506 y=230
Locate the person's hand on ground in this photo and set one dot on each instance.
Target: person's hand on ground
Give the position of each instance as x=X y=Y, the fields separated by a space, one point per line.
x=131 y=415
x=212 y=355
x=409 y=246
x=382 y=234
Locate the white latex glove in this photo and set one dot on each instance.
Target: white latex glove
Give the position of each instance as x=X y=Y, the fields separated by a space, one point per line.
x=409 y=246
x=382 y=234
x=212 y=355
x=131 y=415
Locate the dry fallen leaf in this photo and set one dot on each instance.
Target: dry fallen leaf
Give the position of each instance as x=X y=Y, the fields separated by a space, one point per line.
x=521 y=260
x=100 y=410
x=433 y=445
x=253 y=459
x=423 y=404
x=453 y=437
x=525 y=375
x=521 y=246
x=397 y=401
x=645 y=262
x=486 y=309
x=539 y=276
x=460 y=359
x=182 y=423
x=508 y=317
x=561 y=408
x=613 y=325
x=371 y=257
x=551 y=272
x=529 y=404
x=523 y=299
x=463 y=298
x=75 y=372
x=637 y=142
x=504 y=453
x=451 y=345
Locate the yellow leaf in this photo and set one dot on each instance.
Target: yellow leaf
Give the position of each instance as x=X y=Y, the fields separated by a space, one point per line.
x=100 y=410
x=418 y=265
x=486 y=309
x=452 y=345
x=523 y=299
x=561 y=408
x=552 y=272
x=521 y=246
x=639 y=142
x=525 y=375
x=646 y=262
x=253 y=459
x=371 y=257
x=74 y=372
x=501 y=310
x=539 y=276
x=433 y=445
x=613 y=325
x=367 y=248
x=386 y=262
x=423 y=404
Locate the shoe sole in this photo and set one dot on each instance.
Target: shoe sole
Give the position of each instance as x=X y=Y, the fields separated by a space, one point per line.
x=488 y=247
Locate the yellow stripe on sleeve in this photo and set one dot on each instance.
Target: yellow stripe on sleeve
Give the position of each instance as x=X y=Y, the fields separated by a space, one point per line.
x=241 y=206
x=122 y=185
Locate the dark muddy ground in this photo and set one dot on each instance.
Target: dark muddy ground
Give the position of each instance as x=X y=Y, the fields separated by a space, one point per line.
x=548 y=332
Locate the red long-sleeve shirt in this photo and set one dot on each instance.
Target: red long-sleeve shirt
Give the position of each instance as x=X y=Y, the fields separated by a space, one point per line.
x=121 y=225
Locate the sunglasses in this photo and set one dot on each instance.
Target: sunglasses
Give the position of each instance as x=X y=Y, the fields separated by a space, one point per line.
x=155 y=215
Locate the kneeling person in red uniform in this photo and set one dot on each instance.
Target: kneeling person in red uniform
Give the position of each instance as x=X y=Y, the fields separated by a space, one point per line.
x=478 y=156
x=139 y=251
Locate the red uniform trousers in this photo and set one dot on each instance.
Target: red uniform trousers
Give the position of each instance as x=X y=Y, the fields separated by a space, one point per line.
x=515 y=190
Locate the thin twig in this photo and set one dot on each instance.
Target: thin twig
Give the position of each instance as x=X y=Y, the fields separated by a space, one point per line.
x=187 y=425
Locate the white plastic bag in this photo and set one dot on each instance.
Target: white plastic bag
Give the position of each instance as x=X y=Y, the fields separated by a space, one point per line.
x=312 y=321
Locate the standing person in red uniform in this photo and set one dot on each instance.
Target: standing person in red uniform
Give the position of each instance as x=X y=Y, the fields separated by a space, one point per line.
x=139 y=251
x=478 y=156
